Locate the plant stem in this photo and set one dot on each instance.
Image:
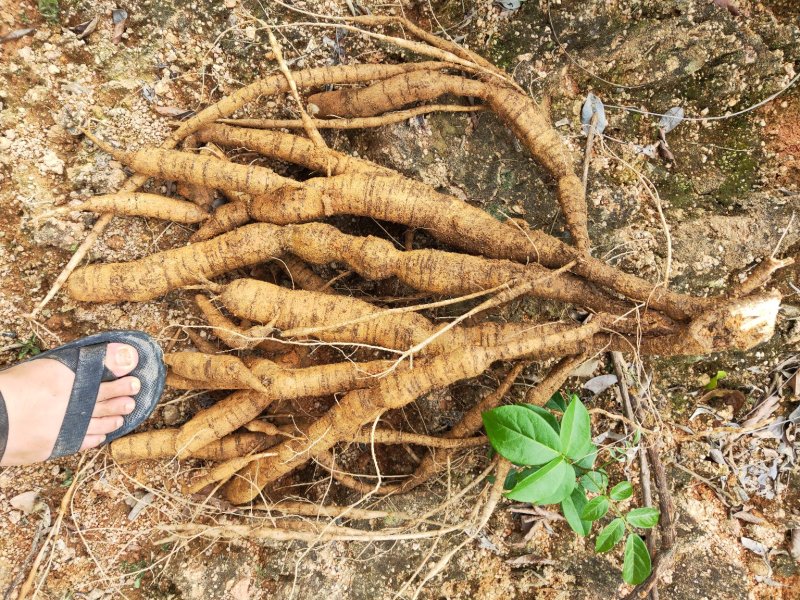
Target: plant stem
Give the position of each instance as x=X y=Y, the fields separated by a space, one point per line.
x=644 y=467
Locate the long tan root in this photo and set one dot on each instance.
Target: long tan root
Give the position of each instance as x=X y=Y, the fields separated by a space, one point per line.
x=432 y=271
x=555 y=378
x=234 y=336
x=144 y=205
x=157 y=274
x=224 y=369
x=363 y=123
x=199 y=195
x=291 y=148
x=163 y=444
x=517 y=110
x=285 y=384
x=226 y=218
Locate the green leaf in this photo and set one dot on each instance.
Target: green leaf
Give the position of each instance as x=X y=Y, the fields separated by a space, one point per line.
x=636 y=566
x=548 y=485
x=616 y=454
x=521 y=435
x=594 y=481
x=622 y=491
x=557 y=402
x=516 y=475
x=587 y=462
x=714 y=381
x=643 y=517
x=30 y=347
x=572 y=506
x=576 y=433
x=610 y=535
x=595 y=509
x=68 y=477
x=588 y=456
x=545 y=414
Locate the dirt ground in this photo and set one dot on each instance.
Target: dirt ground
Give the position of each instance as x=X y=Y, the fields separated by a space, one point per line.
x=728 y=198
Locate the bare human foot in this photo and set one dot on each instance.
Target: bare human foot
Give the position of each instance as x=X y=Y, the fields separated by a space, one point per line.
x=36 y=394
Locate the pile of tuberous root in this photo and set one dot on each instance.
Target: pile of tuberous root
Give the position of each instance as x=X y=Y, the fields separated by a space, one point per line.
x=477 y=258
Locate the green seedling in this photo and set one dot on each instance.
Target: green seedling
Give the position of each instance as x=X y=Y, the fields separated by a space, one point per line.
x=555 y=464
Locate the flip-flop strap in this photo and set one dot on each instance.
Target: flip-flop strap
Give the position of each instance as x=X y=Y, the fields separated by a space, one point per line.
x=3 y=426
x=71 y=359
x=88 y=376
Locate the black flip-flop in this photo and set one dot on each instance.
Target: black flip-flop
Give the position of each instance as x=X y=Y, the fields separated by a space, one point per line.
x=85 y=357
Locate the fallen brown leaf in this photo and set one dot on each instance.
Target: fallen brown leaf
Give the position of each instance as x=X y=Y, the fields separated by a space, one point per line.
x=120 y=18
x=86 y=28
x=172 y=111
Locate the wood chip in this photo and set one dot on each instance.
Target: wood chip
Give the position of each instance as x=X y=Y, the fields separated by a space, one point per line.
x=25 y=502
x=15 y=35
x=140 y=505
x=747 y=517
x=587 y=369
x=754 y=546
x=598 y=385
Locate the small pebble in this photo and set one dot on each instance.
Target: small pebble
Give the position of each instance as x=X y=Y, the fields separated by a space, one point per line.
x=171 y=415
x=115 y=242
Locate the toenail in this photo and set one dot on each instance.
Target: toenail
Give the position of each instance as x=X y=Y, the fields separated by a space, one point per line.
x=129 y=406
x=120 y=422
x=136 y=385
x=126 y=358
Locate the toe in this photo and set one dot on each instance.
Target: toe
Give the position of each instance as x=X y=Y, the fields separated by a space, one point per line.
x=104 y=425
x=114 y=407
x=92 y=441
x=121 y=359
x=125 y=386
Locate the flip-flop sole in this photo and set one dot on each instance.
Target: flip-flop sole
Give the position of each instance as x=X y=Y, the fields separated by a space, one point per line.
x=150 y=370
